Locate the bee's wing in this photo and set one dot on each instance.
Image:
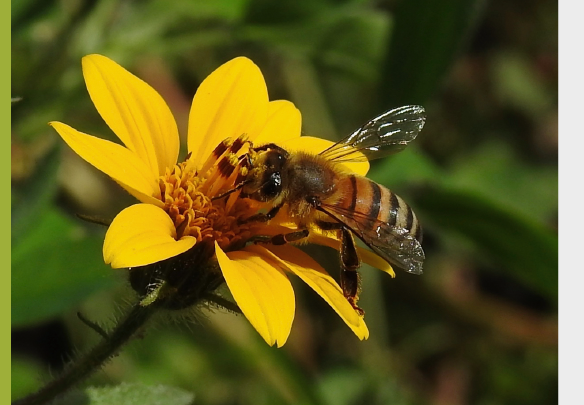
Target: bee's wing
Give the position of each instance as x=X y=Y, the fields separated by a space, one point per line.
x=384 y=135
x=394 y=244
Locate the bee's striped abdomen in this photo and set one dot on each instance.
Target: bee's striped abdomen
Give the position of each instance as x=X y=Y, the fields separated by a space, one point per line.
x=378 y=202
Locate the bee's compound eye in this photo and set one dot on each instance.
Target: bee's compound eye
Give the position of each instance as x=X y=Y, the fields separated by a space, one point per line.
x=272 y=187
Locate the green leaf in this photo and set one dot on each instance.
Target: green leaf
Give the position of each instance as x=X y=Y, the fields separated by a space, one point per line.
x=517 y=83
x=31 y=198
x=233 y=352
x=343 y=386
x=495 y=170
x=54 y=267
x=411 y=166
x=521 y=247
x=129 y=394
x=355 y=43
x=427 y=36
x=283 y=12
x=26 y=12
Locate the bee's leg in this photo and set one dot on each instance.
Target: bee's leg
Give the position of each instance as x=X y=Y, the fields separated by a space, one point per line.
x=282 y=238
x=350 y=281
x=261 y=217
x=228 y=192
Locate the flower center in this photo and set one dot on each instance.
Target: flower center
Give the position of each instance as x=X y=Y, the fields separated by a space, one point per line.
x=188 y=197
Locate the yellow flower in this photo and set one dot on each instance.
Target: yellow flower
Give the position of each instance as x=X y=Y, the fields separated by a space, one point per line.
x=176 y=209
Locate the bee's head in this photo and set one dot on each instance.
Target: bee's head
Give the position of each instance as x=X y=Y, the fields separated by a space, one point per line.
x=267 y=177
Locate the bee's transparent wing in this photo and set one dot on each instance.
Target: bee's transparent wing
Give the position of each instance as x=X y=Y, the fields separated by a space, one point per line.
x=384 y=135
x=396 y=245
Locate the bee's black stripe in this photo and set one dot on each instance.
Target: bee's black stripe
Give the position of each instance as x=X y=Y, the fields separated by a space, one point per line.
x=354 y=193
x=409 y=218
x=393 y=208
x=418 y=231
x=375 y=200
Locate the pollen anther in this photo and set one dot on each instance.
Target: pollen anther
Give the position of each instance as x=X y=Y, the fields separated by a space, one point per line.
x=188 y=196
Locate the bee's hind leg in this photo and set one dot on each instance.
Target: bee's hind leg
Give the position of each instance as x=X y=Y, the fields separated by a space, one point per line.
x=350 y=278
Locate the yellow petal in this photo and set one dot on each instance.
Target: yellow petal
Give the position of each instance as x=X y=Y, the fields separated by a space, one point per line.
x=114 y=160
x=231 y=101
x=134 y=111
x=283 y=124
x=316 y=145
x=262 y=291
x=319 y=280
x=374 y=260
x=366 y=255
x=142 y=234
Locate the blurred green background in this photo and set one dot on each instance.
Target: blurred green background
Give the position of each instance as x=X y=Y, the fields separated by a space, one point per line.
x=479 y=327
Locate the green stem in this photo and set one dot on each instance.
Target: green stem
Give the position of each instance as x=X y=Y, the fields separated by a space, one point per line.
x=85 y=366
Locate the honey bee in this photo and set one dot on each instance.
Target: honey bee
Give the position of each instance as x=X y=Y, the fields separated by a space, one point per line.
x=319 y=192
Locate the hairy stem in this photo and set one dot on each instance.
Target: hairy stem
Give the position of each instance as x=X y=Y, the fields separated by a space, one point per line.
x=86 y=365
